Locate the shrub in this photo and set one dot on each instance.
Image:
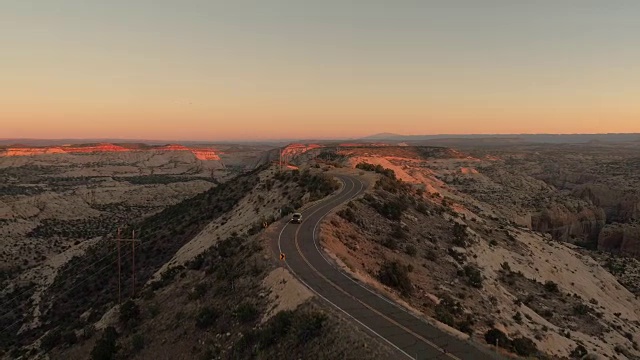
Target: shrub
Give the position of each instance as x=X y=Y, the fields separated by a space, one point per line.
x=448 y=310
x=524 y=346
x=422 y=208
x=411 y=250
x=154 y=310
x=129 y=313
x=51 y=340
x=579 y=352
x=69 y=337
x=277 y=328
x=460 y=235
x=137 y=343
x=198 y=291
x=246 y=312
x=308 y=326
x=551 y=286
x=398 y=232
x=466 y=325
x=474 y=276
x=497 y=337
x=396 y=275
x=391 y=209
x=106 y=347
x=581 y=309
x=206 y=317
x=390 y=243
x=378 y=169
x=431 y=255
x=319 y=186
x=518 y=317
x=349 y=215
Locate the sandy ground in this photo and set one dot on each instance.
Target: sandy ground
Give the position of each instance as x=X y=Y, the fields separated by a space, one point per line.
x=285 y=292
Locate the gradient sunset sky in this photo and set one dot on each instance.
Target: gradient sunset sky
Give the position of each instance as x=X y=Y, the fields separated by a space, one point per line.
x=227 y=70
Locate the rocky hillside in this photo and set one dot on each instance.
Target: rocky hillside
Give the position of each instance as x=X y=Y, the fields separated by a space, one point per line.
x=593 y=188
x=449 y=238
x=195 y=259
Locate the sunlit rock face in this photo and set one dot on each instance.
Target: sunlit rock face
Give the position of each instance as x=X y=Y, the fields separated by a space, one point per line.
x=173 y=147
x=297 y=149
x=200 y=153
x=94 y=149
x=205 y=154
x=30 y=151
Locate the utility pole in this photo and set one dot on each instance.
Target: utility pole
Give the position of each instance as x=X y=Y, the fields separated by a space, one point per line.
x=133 y=263
x=133 y=241
x=119 y=277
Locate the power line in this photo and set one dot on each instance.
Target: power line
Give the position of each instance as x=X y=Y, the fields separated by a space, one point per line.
x=89 y=263
x=68 y=290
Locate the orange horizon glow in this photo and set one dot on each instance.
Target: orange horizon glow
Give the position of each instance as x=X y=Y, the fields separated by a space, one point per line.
x=203 y=71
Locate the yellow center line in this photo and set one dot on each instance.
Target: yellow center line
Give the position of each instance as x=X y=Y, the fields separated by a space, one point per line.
x=359 y=301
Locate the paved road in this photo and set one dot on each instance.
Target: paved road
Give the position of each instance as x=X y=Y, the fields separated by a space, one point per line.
x=412 y=337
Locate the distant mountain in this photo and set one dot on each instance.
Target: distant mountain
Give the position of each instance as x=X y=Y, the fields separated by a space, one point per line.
x=513 y=138
x=387 y=136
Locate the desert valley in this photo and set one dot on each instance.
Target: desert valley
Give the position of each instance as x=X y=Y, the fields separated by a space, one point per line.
x=524 y=249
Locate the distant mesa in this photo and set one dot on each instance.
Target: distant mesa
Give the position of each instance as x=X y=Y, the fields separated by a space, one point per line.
x=172 y=147
x=93 y=148
x=205 y=154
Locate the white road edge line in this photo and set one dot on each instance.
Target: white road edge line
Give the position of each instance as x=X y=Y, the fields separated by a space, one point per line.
x=334 y=305
x=376 y=294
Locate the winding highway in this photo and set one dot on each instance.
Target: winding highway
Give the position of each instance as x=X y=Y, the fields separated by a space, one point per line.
x=410 y=336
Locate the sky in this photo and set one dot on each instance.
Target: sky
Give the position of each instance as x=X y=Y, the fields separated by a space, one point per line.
x=248 y=70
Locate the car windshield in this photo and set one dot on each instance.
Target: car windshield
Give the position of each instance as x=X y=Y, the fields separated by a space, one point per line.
x=296 y=215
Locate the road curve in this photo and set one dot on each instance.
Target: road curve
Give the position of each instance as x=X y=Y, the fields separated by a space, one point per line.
x=410 y=336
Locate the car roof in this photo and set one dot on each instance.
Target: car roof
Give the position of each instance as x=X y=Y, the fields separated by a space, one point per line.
x=297 y=214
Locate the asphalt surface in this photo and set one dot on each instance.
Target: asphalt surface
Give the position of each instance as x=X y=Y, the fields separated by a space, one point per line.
x=410 y=336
